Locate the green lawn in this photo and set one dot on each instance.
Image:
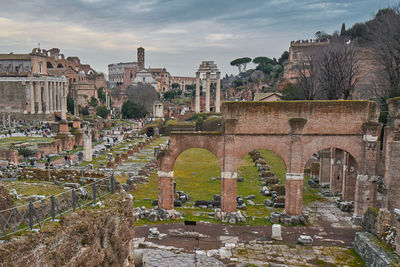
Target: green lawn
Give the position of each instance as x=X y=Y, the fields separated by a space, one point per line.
x=193 y=170
x=7 y=142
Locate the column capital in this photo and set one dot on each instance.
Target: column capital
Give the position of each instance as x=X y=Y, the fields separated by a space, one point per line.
x=229 y=175
x=294 y=176
x=163 y=174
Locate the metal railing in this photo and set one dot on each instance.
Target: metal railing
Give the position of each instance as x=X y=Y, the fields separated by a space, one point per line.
x=35 y=213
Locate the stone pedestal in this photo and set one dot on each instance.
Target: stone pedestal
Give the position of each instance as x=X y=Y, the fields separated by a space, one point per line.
x=228 y=191
x=294 y=193
x=124 y=156
x=276 y=232
x=67 y=141
x=63 y=127
x=166 y=190
x=365 y=196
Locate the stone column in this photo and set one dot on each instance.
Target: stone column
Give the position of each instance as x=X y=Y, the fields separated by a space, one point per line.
x=324 y=166
x=27 y=97
x=9 y=120
x=46 y=94
x=32 y=93
x=63 y=102
x=39 y=97
x=166 y=190
x=87 y=146
x=365 y=195
x=208 y=82
x=59 y=96
x=218 y=94
x=4 y=120
x=51 y=97
x=294 y=193
x=54 y=97
x=228 y=191
x=197 y=109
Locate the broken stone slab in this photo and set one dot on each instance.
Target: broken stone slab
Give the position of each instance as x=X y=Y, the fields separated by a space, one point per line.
x=276 y=232
x=305 y=240
x=72 y=185
x=268 y=202
x=250 y=197
x=251 y=203
x=34 y=198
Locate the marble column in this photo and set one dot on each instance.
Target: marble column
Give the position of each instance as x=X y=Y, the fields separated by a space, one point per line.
x=59 y=96
x=208 y=82
x=50 y=97
x=54 y=97
x=4 y=120
x=32 y=94
x=46 y=95
x=63 y=102
x=197 y=109
x=9 y=120
x=218 y=94
x=39 y=97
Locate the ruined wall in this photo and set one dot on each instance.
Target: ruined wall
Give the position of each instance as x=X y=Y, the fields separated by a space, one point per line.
x=85 y=238
x=7 y=154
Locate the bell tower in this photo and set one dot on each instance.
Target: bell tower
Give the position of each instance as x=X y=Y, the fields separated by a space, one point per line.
x=140 y=57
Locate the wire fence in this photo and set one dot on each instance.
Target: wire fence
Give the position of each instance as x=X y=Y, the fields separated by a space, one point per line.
x=34 y=214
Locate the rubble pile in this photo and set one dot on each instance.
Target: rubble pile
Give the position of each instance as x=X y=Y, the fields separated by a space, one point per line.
x=231 y=217
x=157 y=214
x=282 y=217
x=270 y=183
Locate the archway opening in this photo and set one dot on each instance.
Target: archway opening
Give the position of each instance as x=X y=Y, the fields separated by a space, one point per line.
x=60 y=66
x=49 y=65
x=196 y=173
x=330 y=181
x=261 y=183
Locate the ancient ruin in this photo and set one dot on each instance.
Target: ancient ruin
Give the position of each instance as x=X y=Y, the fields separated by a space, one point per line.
x=212 y=74
x=294 y=131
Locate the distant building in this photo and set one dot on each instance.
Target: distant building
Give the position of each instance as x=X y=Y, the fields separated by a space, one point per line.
x=124 y=74
x=182 y=82
x=27 y=90
x=145 y=77
x=265 y=97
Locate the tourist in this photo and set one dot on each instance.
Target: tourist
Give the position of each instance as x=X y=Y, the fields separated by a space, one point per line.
x=66 y=159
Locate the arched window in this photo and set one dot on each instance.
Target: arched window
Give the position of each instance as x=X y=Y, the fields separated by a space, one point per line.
x=60 y=66
x=49 y=65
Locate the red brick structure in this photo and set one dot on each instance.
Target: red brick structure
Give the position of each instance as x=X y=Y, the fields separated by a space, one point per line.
x=294 y=130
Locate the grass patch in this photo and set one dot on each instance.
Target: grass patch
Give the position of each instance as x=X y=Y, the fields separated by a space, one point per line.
x=28 y=188
x=310 y=194
x=193 y=170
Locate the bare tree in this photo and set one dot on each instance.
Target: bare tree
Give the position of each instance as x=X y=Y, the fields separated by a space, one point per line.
x=338 y=69
x=143 y=95
x=308 y=75
x=385 y=39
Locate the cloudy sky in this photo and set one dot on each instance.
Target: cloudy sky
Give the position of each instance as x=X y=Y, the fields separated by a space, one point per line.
x=177 y=34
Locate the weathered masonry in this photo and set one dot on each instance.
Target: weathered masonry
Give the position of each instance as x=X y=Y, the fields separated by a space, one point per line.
x=294 y=130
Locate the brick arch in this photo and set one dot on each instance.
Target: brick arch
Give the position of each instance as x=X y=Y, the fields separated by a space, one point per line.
x=239 y=147
x=180 y=143
x=352 y=145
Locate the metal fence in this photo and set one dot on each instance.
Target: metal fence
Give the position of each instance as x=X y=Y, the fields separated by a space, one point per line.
x=33 y=215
